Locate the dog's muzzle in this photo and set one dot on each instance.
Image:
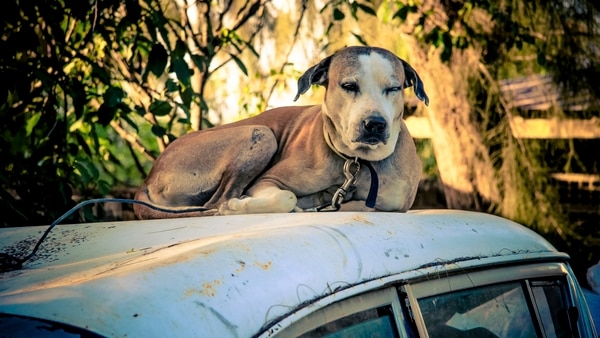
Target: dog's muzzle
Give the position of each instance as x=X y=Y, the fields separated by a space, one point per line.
x=373 y=130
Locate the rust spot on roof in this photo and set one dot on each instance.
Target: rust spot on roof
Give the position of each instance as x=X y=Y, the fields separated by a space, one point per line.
x=361 y=219
x=208 y=289
x=264 y=266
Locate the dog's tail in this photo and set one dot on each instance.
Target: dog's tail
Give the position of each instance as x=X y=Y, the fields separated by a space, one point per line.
x=149 y=210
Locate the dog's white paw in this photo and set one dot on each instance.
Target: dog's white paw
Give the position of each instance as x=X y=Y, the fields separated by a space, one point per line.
x=279 y=201
x=234 y=206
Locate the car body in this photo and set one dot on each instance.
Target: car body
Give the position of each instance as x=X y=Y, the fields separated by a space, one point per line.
x=437 y=273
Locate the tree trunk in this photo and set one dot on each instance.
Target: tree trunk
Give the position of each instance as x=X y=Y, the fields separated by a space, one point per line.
x=463 y=161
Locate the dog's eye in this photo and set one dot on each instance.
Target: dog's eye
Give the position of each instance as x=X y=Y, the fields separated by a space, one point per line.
x=351 y=87
x=391 y=90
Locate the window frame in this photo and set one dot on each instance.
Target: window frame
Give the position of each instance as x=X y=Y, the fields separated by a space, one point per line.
x=520 y=273
x=345 y=307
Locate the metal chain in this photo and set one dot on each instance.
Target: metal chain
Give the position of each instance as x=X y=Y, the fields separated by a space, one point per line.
x=348 y=184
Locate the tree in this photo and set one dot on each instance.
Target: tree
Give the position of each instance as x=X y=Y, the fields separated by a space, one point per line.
x=476 y=44
x=88 y=80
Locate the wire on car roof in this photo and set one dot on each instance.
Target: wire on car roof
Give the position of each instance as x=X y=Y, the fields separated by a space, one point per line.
x=9 y=262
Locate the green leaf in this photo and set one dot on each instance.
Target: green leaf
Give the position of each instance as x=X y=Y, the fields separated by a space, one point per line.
x=158 y=131
x=541 y=59
x=329 y=27
x=32 y=122
x=199 y=61
x=367 y=9
x=113 y=96
x=150 y=27
x=160 y=108
x=203 y=105
x=105 y=114
x=184 y=109
x=79 y=98
x=528 y=39
x=82 y=171
x=182 y=70
x=157 y=60
x=130 y=122
x=160 y=23
x=240 y=64
x=446 y=53
x=103 y=187
x=171 y=137
x=134 y=11
x=360 y=39
x=102 y=73
x=354 y=9
x=186 y=96
x=180 y=50
x=88 y=172
x=510 y=43
x=403 y=12
x=140 y=110
x=251 y=48
x=172 y=86
x=338 y=15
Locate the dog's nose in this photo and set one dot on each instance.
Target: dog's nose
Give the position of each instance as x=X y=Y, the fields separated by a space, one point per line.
x=375 y=125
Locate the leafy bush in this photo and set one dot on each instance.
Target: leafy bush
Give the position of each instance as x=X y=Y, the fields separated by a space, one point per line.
x=92 y=92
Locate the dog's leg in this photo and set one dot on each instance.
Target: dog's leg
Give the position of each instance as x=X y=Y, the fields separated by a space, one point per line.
x=261 y=198
x=206 y=169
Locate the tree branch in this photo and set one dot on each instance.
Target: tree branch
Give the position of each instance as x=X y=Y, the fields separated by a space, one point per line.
x=132 y=140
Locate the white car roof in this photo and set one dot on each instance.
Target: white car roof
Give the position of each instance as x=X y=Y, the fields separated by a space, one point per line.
x=237 y=274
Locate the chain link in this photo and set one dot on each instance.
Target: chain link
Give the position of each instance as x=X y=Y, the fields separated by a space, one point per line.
x=348 y=184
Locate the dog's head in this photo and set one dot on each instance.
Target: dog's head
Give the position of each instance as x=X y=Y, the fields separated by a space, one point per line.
x=364 y=99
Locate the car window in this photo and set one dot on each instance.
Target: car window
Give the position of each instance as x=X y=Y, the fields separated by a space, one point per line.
x=373 y=314
x=491 y=311
x=517 y=309
x=557 y=317
x=372 y=323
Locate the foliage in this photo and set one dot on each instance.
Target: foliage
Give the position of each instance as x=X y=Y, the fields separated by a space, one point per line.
x=95 y=85
x=523 y=38
x=519 y=38
x=561 y=36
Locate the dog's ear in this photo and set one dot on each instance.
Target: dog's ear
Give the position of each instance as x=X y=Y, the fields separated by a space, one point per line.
x=317 y=74
x=413 y=79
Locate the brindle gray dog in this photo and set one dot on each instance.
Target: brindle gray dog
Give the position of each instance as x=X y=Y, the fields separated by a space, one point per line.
x=292 y=158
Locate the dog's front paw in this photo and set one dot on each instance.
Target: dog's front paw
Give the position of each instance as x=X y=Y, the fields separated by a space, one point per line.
x=233 y=206
x=278 y=201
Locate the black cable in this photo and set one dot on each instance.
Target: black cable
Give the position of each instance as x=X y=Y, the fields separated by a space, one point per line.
x=10 y=263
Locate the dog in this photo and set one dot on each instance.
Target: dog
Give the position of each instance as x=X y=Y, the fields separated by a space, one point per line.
x=301 y=157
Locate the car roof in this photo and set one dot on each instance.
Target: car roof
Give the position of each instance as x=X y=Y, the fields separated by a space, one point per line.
x=237 y=274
